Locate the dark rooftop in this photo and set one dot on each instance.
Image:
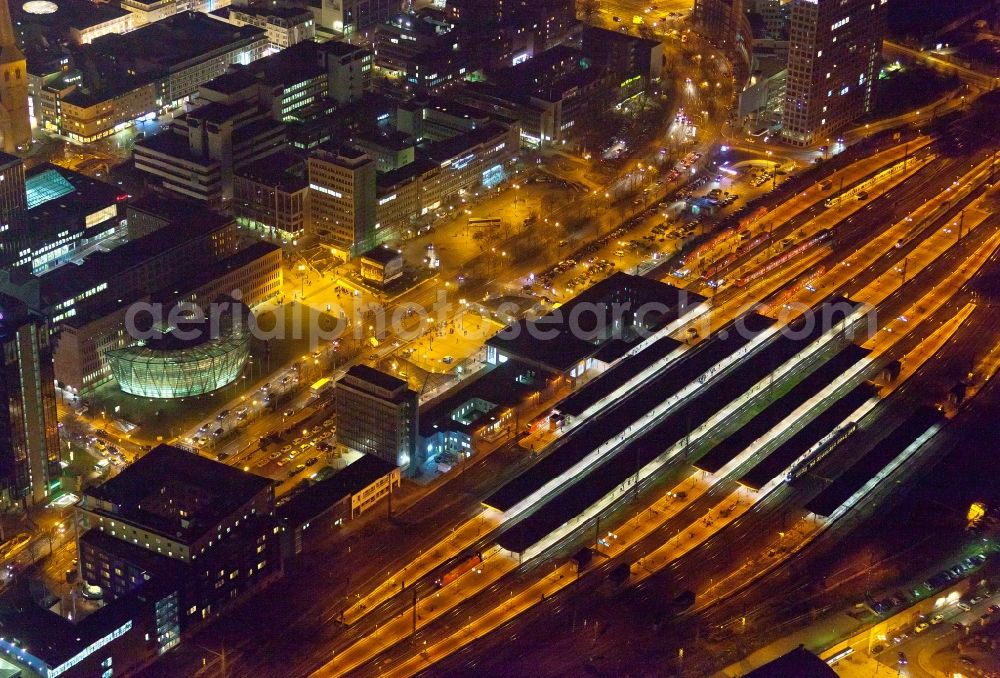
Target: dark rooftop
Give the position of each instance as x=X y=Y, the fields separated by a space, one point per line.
x=171 y=208
x=383 y=254
x=874 y=461
x=781 y=458
x=503 y=386
x=68 y=280
x=156 y=43
x=446 y=149
x=138 y=492
x=72 y=14
x=291 y=65
x=386 y=181
x=232 y=82
x=579 y=328
x=55 y=639
x=284 y=170
x=375 y=377
x=170 y=142
x=341 y=48
x=219 y=112
x=122 y=62
x=668 y=381
x=577 y=403
x=317 y=498
x=799 y=663
x=248 y=254
x=773 y=414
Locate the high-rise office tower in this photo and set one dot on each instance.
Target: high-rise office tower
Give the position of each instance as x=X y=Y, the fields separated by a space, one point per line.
x=29 y=436
x=13 y=208
x=377 y=415
x=15 y=128
x=342 y=199
x=833 y=61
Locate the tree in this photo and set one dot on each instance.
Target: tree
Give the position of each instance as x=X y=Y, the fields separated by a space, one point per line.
x=588 y=8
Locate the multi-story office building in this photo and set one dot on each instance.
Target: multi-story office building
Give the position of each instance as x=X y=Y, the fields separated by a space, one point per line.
x=342 y=199
x=13 y=193
x=348 y=69
x=142 y=266
x=549 y=93
x=272 y=196
x=834 y=57
x=129 y=76
x=333 y=501
x=179 y=517
x=29 y=437
x=196 y=158
x=437 y=150
x=282 y=84
x=56 y=215
x=285 y=26
x=350 y=17
x=119 y=639
x=377 y=415
x=151 y=11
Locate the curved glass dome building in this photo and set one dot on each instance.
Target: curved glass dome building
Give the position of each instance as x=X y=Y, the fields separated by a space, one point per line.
x=188 y=360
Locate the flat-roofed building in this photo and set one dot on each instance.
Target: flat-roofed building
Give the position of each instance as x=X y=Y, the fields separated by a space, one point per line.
x=834 y=56
x=285 y=26
x=145 y=71
x=381 y=265
x=272 y=196
x=333 y=501
x=197 y=157
x=150 y=11
x=173 y=515
x=377 y=415
x=349 y=71
x=67 y=215
x=342 y=199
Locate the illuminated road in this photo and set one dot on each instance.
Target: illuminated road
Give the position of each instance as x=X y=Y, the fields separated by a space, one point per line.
x=893 y=49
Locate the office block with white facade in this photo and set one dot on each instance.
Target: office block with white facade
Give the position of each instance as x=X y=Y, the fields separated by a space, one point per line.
x=342 y=199
x=377 y=415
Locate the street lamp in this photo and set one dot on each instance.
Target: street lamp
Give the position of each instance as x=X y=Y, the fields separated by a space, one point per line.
x=302 y=280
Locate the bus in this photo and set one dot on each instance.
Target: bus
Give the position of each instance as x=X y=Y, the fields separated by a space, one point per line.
x=320 y=387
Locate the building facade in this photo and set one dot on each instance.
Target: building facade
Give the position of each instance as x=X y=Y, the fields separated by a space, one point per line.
x=197 y=157
x=179 y=517
x=377 y=415
x=349 y=71
x=284 y=26
x=350 y=17
x=272 y=196
x=342 y=199
x=141 y=73
x=834 y=55
x=29 y=437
